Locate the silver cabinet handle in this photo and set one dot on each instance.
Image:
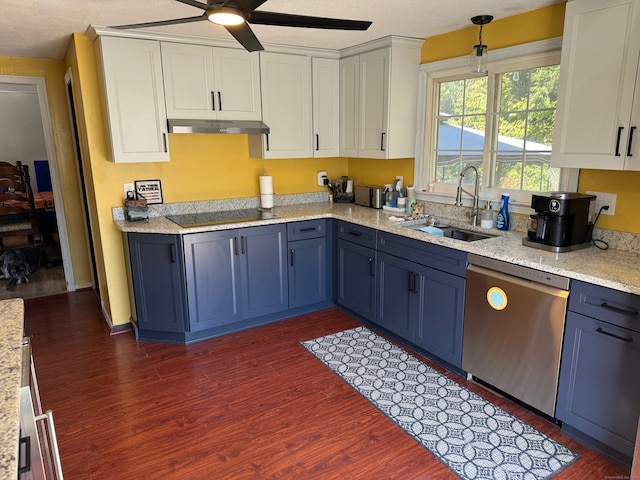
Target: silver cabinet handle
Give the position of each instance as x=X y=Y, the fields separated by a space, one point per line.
x=55 y=452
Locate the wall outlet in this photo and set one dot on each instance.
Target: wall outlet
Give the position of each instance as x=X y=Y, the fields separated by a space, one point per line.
x=128 y=187
x=605 y=199
x=401 y=180
x=322 y=175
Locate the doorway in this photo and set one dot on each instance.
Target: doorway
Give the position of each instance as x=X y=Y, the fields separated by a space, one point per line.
x=27 y=136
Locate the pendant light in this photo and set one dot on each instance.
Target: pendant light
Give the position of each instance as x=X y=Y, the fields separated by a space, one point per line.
x=478 y=57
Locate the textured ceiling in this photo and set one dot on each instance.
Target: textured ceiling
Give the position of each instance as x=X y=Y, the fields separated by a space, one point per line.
x=43 y=29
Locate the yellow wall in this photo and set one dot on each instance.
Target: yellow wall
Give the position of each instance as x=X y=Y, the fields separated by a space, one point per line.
x=529 y=27
x=378 y=172
x=53 y=73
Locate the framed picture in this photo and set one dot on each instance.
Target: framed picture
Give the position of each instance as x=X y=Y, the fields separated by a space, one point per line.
x=150 y=190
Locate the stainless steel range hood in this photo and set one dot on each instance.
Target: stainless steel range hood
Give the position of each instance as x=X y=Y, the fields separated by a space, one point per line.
x=217 y=126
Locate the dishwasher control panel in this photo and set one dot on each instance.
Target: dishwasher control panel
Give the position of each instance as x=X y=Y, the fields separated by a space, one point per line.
x=519 y=271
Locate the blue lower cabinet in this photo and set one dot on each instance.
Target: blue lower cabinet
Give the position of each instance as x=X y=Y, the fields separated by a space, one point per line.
x=599 y=389
x=263 y=267
x=356 y=278
x=212 y=261
x=307 y=272
x=439 y=315
x=422 y=305
x=156 y=269
x=397 y=289
x=421 y=294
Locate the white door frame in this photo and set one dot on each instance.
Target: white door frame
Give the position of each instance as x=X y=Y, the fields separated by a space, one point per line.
x=39 y=83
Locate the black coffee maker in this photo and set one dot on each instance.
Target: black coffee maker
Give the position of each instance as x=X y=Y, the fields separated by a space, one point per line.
x=563 y=221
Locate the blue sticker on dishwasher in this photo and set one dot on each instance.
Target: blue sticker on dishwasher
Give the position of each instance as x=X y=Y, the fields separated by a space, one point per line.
x=497 y=298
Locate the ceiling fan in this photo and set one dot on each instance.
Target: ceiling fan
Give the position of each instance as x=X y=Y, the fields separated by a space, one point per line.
x=236 y=15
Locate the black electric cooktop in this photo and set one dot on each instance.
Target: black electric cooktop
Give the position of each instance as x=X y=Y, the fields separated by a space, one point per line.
x=204 y=219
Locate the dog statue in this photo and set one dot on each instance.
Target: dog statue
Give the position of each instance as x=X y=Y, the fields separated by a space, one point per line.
x=14 y=267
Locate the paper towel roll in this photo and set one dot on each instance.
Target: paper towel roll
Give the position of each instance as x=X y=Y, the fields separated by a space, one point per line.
x=266 y=184
x=411 y=191
x=266 y=200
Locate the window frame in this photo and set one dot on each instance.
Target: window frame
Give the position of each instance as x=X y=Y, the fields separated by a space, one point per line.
x=521 y=57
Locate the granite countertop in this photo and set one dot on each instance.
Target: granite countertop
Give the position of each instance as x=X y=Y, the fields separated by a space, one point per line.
x=616 y=269
x=12 y=315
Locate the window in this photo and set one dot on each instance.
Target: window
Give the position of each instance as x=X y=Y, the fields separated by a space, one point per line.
x=501 y=123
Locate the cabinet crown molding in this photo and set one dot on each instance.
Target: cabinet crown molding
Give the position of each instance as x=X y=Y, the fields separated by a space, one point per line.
x=389 y=41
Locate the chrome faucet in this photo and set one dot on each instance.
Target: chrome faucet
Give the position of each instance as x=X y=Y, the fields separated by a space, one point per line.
x=474 y=210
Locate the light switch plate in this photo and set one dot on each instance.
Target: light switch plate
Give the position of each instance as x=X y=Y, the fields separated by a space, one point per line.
x=605 y=199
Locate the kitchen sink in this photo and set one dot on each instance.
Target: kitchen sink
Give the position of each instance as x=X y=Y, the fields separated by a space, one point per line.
x=456 y=233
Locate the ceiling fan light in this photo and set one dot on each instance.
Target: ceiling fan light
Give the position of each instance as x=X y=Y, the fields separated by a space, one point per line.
x=225 y=16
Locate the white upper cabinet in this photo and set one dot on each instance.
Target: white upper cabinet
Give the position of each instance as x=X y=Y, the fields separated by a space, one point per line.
x=203 y=82
x=326 y=103
x=132 y=87
x=286 y=107
x=598 y=108
x=378 y=100
x=349 y=105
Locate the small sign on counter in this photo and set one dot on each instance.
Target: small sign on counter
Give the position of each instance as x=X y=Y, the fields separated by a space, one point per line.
x=150 y=190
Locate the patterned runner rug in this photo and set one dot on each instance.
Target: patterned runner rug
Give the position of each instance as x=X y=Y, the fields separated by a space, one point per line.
x=474 y=438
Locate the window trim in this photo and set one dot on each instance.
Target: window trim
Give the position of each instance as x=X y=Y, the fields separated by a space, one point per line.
x=501 y=60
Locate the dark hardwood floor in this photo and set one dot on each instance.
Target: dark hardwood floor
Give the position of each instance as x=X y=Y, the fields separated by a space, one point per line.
x=251 y=405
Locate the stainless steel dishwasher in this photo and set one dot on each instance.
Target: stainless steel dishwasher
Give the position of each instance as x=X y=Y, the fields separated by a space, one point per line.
x=513 y=327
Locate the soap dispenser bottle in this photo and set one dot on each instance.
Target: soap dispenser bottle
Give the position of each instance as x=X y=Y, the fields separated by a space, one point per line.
x=486 y=221
x=503 y=215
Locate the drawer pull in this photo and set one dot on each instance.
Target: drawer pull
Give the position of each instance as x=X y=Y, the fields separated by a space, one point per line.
x=604 y=332
x=633 y=313
x=355 y=234
x=308 y=229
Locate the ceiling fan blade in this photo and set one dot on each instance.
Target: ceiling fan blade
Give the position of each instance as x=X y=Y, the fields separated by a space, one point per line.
x=193 y=3
x=248 y=6
x=288 y=20
x=243 y=34
x=161 y=23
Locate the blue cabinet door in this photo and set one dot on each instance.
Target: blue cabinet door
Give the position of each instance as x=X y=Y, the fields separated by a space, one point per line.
x=439 y=314
x=599 y=391
x=396 y=294
x=356 y=278
x=307 y=272
x=158 y=282
x=263 y=264
x=212 y=261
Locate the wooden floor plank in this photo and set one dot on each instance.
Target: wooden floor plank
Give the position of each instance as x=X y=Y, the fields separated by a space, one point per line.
x=250 y=405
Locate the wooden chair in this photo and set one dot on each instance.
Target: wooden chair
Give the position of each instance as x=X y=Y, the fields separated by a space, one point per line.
x=17 y=208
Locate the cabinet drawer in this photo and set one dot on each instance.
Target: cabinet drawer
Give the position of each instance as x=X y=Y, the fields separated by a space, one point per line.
x=306 y=229
x=612 y=306
x=359 y=234
x=435 y=256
